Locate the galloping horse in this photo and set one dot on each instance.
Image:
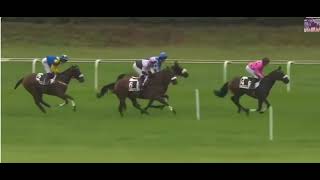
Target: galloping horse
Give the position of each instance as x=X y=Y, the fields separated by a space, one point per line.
x=261 y=92
x=57 y=88
x=155 y=90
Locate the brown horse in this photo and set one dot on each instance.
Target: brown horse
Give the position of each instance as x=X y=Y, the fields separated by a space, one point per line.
x=155 y=89
x=261 y=92
x=57 y=88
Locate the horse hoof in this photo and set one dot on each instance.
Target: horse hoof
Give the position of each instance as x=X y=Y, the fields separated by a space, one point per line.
x=74 y=109
x=174 y=112
x=261 y=112
x=98 y=95
x=145 y=112
x=247 y=111
x=162 y=107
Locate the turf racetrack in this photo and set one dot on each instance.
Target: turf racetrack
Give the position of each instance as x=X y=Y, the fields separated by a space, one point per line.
x=97 y=133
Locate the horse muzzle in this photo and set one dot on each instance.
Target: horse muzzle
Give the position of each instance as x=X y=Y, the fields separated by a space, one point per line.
x=81 y=78
x=184 y=73
x=286 y=79
x=174 y=80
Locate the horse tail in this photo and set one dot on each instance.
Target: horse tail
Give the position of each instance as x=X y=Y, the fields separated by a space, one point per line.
x=105 y=89
x=223 y=91
x=18 y=83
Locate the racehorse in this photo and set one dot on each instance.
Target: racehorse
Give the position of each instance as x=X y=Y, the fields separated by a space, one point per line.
x=154 y=90
x=57 y=88
x=150 y=105
x=261 y=92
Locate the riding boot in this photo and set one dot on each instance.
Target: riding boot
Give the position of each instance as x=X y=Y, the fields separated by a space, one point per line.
x=48 y=78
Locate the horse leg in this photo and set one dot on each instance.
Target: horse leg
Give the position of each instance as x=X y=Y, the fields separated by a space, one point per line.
x=163 y=101
x=65 y=100
x=158 y=106
x=166 y=96
x=122 y=105
x=260 y=101
x=44 y=103
x=267 y=103
x=236 y=100
x=154 y=106
x=72 y=102
x=149 y=105
x=37 y=100
x=137 y=105
x=161 y=106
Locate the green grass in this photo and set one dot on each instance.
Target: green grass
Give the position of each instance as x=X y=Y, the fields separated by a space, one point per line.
x=97 y=133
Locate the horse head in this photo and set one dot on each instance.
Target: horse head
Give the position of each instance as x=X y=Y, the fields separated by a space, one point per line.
x=76 y=73
x=177 y=71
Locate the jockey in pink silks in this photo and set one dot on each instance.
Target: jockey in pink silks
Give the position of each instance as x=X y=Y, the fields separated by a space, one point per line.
x=255 y=68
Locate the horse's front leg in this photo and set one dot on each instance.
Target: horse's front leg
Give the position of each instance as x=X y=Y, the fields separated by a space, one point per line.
x=154 y=106
x=72 y=102
x=163 y=101
x=149 y=104
x=65 y=97
x=260 y=101
x=267 y=103
x=65 y=101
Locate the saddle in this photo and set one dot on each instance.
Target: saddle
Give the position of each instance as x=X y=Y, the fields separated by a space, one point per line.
x=249 y=82
x=43 y=80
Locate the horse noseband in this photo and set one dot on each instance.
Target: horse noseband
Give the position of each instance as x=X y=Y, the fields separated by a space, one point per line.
x=286 y=76
x=184 y=71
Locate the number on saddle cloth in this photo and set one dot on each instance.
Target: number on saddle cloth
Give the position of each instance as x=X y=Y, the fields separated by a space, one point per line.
x=42 y=79
x=248 y=83
x=134 y=84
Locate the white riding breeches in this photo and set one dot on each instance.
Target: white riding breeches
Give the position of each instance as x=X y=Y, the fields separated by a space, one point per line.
x=46 y=65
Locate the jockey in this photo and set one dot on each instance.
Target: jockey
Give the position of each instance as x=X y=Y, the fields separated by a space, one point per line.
x=255 y=68
x=159 y=60
x=145 y=67
x=51 y=63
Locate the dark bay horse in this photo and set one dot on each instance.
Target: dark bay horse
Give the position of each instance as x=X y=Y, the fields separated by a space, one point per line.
x=57 y=88
x=155 y=90
x=261 y=92
x=150 y=105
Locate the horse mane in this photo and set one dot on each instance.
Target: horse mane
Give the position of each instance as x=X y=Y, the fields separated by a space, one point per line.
x=71 y=67
x=271 y=73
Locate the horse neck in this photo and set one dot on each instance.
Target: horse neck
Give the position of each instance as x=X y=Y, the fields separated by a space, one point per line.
x=269 y=82
x=163 y=77
x=166 y=78
x=65 y=76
